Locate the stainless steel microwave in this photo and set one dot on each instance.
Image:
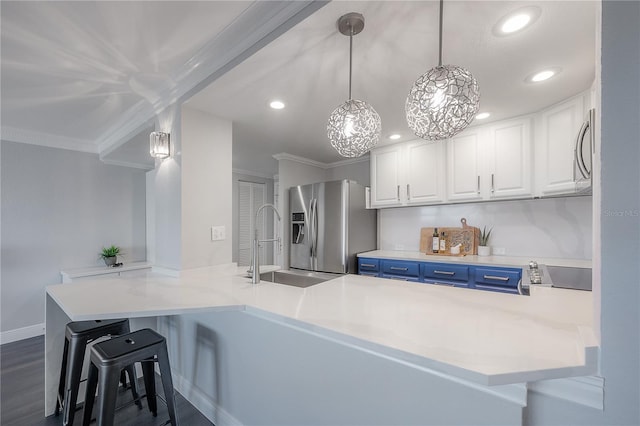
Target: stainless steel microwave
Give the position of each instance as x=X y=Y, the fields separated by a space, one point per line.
x=583 y=154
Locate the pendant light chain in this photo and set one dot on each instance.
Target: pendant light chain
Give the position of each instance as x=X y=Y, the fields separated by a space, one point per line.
x=440 y=36
x=350 y=56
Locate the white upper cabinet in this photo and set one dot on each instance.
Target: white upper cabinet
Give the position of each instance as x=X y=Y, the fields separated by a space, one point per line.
x=555 y=144
x=410 y=173
x=490 y=162
x=385 y=176
x=509 y=159
x=424 y=174
x=464 y=166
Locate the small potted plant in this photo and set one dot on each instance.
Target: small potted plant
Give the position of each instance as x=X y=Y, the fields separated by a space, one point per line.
x=483 y=248
x=110 y=255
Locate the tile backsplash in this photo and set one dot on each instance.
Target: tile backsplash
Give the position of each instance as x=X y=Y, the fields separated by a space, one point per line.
x=552 y=227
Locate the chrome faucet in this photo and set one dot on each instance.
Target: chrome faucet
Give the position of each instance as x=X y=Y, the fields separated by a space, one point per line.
x=255 y=247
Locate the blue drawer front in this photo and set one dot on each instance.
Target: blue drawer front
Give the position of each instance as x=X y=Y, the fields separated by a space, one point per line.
x=401 y=278
x=486 y=278
x=368 y=265
x=445 y=271
x=399 y=267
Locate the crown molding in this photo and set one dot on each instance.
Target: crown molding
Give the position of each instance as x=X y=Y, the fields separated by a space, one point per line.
x=252 y=173
x=314 y=163
x=258 y=25
x=12 y=134
x=133 y=165
x=301 y=160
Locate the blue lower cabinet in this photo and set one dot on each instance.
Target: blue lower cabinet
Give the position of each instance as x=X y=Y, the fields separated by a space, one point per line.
x=503 y=280
x=446 y=272
x=368 y=266
x=401 y=278
x=400 y=268
x=499 y=279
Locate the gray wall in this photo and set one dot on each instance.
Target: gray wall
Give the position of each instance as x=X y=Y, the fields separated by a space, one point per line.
x=59 y=208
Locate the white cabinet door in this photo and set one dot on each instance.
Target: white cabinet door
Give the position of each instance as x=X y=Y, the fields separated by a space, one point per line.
x=385 y=176
x=464 y=166
x=555 y=147
x=508 y=149
x=424 y=172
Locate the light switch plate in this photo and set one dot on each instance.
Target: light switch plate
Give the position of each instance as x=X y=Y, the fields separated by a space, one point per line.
x=499 y=251
x=218 y=233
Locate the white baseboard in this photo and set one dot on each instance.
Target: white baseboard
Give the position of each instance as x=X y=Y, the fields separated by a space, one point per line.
x=21 y=333
x=203 y=403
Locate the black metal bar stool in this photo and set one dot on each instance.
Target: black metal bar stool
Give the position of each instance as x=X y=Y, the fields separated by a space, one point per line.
x=77 y=335
x=110 y=357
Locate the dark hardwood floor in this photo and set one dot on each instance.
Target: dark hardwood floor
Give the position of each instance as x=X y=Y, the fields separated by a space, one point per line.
x=22 y=393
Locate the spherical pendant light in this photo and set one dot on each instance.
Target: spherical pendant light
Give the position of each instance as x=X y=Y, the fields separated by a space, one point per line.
x=354 y=127
x=443 y=101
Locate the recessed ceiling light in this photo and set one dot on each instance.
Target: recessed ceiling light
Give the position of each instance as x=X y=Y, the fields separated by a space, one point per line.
x=482 y=115
x=276 y=104
x=395 y=136
x=543 y=75
x=516 y=21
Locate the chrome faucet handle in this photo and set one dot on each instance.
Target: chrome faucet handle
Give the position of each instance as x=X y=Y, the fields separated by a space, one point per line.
x=533 y=264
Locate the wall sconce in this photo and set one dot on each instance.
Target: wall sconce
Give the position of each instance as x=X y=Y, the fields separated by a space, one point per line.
x=159 y=145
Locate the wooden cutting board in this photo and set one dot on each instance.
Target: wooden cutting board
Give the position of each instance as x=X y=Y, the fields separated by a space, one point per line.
x=467 y=236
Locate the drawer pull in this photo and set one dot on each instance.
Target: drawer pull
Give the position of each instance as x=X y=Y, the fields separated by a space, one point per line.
x=367 y=265
x=444 y=272
x=395 y=268
x=493 y=277
x=445 y=284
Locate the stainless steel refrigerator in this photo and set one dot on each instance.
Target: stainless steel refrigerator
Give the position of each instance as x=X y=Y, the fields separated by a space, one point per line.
x=329 y=225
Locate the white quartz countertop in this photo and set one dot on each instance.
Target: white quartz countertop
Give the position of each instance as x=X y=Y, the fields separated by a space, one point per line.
x=484 y=337
x=476 y=260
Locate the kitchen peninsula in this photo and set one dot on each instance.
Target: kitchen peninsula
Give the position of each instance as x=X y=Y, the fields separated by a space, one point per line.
x=481 y=345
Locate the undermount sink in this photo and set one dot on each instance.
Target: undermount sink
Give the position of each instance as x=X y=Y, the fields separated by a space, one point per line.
x=296 y=278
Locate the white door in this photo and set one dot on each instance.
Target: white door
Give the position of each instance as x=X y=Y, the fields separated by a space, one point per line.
x=464 y=167
x=385 y=176
x=511 y=160
x=425 y=172
x=251 y=196
x=556 y=145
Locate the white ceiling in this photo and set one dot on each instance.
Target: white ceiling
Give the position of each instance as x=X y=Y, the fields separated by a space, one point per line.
x=82 y=72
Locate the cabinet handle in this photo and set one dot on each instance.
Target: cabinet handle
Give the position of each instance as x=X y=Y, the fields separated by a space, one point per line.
x=395 y=268
x=408 y=193
x=493 y=277
x=492 y=185
x=367 y=265
x=444 y=272
x=478 y=184
x=445 y=284
x=398 y=192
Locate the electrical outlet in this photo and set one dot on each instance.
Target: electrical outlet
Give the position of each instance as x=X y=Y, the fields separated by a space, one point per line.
x=218 y=233
x=499 y=251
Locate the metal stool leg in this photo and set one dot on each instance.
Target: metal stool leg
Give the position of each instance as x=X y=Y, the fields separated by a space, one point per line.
x=77 y=349
x=167 y=383
x=131 y=371
x=108 y=393
x=150 y=385
x=92 y=383
x=63 y=373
